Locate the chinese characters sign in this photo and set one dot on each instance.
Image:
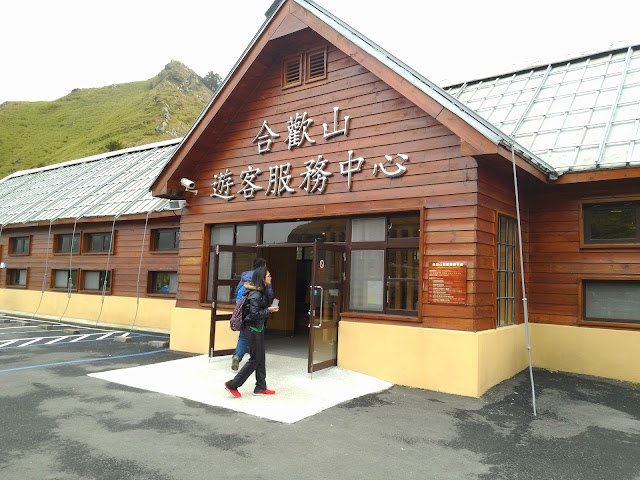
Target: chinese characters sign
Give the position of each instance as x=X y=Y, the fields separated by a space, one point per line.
x=281 y=181
x=448 y=283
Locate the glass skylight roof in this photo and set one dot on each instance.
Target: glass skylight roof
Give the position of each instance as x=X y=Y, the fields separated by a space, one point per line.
x=114 y=184
x=577 y=115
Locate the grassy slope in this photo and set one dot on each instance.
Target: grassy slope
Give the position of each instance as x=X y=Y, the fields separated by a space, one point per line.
x=83 y=123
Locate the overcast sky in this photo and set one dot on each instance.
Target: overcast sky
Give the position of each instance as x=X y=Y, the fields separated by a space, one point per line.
x=51 y=47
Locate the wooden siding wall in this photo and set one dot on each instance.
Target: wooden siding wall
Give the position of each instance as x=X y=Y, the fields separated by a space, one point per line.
x=462 y=227
x=123 y=262
x=557 y=263
x=381 y=122
x=496 y=196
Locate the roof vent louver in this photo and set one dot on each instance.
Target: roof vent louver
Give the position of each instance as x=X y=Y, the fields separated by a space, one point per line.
x=317 y=65
x=292 y=71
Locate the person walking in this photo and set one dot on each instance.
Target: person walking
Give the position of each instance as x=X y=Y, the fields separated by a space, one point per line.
x=256 y=313
x=241 y=346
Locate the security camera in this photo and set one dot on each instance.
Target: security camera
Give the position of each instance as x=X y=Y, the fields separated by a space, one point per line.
x=188 y=184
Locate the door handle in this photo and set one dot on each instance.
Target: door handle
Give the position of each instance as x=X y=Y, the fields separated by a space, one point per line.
x=321 y=290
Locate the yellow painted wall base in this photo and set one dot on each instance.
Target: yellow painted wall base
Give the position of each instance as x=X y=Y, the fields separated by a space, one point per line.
x=190 y=331
x=462 y=363
x=600 y=352
x=150 y=314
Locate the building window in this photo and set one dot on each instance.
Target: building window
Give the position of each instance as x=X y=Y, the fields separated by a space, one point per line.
x=166 y=239
x=608 y=223
x=65 y=279
x=506 y=272
x=17 y=277
x=19 y=246
x=96 y=280
x=385 y=264
x=98 y=242
x=67 y=243
x=163 y=282
x=316 y=65
x=232 y=264
x=292 y=71
x=611 y=301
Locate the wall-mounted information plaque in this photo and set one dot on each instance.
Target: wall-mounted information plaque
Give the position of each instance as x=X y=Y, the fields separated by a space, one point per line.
x=448 y=283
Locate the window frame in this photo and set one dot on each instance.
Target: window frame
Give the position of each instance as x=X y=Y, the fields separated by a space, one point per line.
x=82 y=280
x=12 y=246
x=74 y=288
x=207 y=283
x=151 y=282
x=582 y=305
x=408 y=243
x=10 y=284
x=57 y=242
x=586 y=242
x=86 y=243
x=155 y=237
x=511 y=274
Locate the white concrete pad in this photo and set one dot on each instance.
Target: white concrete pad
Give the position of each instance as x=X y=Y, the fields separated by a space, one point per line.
x=298 y=394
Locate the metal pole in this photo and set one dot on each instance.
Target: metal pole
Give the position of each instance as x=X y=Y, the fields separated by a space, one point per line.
x=524 y=292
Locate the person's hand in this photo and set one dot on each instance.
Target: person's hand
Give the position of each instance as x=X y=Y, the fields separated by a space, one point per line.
x=273 y=309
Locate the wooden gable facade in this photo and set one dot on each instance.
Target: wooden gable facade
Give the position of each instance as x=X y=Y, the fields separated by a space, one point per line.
x=439 y=168
x=457 y=177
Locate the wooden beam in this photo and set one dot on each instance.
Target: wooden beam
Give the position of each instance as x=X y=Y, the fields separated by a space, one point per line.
x=598 y=176
x=523 y=164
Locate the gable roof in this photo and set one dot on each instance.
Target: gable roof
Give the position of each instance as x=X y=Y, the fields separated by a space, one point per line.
x=287 y=16
x=111 y=184
x=577 y=115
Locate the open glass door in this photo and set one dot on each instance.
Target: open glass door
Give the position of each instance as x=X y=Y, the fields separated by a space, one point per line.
x=226 y=264
x=327 y=280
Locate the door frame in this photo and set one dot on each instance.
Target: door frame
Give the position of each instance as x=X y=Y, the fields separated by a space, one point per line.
x=315 y=283
x=215 y=317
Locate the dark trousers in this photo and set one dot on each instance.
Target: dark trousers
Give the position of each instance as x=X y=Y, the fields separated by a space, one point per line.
x=256 y=363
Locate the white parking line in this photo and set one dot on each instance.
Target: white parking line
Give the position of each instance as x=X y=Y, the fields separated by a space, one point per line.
x=80 y=338
x=56 y=339
x=19 y=326
x=106 y=335
x=32 y=341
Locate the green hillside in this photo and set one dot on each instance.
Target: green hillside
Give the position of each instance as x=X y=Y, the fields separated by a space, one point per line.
x=96 y=120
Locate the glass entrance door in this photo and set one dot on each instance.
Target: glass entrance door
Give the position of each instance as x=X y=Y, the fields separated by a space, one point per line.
x=327 y=281
x=227 y=262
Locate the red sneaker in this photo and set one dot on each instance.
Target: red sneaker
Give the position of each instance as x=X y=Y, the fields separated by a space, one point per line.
x=233 y=392
x=266 y=391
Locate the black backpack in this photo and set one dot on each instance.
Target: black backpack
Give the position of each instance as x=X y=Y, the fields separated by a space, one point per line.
x=236 y=323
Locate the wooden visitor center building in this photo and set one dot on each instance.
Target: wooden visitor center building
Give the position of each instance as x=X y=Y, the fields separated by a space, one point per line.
x=385 y=206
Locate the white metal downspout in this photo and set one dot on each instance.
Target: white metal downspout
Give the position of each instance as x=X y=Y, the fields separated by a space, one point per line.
x=46 y=269
x=524 y=291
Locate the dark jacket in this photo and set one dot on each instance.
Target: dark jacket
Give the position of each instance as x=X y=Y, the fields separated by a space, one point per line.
x=256 y=307
x=246 y=277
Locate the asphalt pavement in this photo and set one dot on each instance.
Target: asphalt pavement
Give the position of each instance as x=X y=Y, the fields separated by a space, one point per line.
x=57 y=422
